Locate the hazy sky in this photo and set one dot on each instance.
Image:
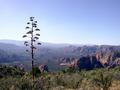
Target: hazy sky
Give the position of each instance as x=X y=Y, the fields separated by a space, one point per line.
x=63 y=21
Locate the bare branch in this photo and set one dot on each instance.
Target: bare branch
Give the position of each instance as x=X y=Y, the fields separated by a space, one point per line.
x=34 y=48
x=37 y=29
x=33 y=40
x=38 y=34
x=36 y=38
x=24 y=36
x=34 y=25
x=28 y=22
x=35 y=21
x=26 y=45
x=31 y=18
x=27 y=27
x=25 y=42
x=29 y=32
x=39 y=43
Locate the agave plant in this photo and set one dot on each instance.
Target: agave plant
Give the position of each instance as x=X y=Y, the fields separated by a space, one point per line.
x=33 y=36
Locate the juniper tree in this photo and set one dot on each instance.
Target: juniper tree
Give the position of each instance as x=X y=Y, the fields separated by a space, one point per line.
x=33 y=36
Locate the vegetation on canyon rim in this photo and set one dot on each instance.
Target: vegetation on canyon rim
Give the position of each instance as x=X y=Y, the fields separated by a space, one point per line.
x=16 y=79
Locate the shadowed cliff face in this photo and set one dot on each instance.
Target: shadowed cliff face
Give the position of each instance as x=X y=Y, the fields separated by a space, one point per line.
x=100 y=60
x=88 y=62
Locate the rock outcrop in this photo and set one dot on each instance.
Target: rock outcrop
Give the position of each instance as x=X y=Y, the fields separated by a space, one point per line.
x=99 y=60
x=43 y=68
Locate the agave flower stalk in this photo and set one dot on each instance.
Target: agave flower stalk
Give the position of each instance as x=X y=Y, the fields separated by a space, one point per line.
x=33 y=35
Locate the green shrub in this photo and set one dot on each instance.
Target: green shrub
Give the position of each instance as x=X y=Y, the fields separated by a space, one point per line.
x=25 y=84
x=103 y=80
x=36 y=71
x=86 y=80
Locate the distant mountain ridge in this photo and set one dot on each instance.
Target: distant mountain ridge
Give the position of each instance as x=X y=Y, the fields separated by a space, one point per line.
x=15 y=42
x=14 y=51
x=21 y=43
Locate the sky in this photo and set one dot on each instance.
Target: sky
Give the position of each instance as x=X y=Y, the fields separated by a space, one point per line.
x=63 y=21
